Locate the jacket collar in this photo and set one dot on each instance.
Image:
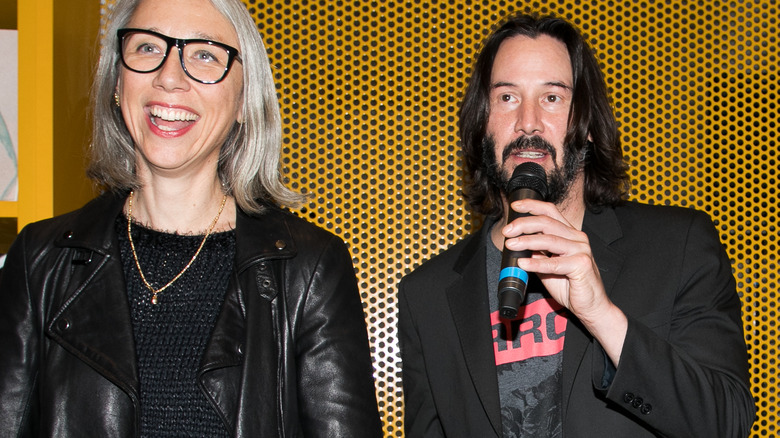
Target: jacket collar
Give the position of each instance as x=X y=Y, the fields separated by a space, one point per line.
x=92 y=227
x=272 y=240
x=84 y=231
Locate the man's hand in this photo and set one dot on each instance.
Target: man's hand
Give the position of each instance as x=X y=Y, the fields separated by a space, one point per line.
x=563 y=260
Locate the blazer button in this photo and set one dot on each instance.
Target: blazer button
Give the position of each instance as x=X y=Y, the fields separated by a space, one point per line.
x=646 y=408
x=240 y=349
x=628 y=397
x=637 y=402
x=280 y=244
x=67 y=235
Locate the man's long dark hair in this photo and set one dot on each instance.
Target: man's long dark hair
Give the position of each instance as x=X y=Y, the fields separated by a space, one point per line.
x=606 y=177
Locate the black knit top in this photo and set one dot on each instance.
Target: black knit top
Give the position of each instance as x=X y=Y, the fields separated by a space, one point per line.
x=171 y=336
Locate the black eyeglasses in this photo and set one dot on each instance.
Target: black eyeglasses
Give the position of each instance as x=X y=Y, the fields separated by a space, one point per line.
x=144 y=51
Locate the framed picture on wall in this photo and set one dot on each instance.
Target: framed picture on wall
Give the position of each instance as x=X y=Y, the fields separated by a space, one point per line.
x=9 y=114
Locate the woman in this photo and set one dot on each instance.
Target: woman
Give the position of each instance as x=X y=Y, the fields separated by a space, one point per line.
x=183 y=301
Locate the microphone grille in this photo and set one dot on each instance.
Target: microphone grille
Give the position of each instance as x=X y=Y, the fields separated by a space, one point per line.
x=528 y=175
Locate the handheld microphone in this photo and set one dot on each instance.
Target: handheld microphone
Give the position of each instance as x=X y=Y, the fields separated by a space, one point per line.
x=528 y=181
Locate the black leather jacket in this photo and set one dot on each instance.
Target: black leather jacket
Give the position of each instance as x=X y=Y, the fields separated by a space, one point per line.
x=288 y=357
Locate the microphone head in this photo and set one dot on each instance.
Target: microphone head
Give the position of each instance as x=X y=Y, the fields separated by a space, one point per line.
x=528 y=175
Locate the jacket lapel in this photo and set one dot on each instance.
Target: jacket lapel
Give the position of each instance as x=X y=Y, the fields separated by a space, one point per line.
x=258 y=240
x=237 y=344
x=602 y=229
x=94 y=297
x=471 y=314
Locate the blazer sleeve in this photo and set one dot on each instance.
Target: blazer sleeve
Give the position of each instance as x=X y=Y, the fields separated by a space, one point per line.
x=19 y=336
x=420 y=416
x=335 y=382
x=692 y=381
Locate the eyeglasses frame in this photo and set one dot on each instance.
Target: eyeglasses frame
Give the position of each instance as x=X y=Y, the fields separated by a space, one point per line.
x=179 y=43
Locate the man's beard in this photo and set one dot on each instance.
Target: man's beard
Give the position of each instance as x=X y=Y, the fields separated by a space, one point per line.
x=559 y=179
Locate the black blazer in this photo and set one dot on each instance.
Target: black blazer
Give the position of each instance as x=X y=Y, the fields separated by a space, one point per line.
x=288 y=356
x=683 y=370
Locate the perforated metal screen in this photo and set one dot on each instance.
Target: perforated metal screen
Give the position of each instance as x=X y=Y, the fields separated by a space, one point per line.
x=369 y=92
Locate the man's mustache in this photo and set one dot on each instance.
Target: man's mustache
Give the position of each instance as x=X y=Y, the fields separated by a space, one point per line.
x=526 y=142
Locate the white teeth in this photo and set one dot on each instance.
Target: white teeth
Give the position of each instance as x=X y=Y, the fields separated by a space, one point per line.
x=530 y=154
x=172 y=115
x=162 y=128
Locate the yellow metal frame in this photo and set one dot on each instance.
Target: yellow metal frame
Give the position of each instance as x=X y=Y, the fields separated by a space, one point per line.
x=36 y=109
x=53 y=99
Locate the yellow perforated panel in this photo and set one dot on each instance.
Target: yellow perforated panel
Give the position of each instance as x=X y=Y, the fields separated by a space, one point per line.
x=369 y=93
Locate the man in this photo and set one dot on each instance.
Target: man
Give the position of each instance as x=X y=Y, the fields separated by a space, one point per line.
x=631 y=326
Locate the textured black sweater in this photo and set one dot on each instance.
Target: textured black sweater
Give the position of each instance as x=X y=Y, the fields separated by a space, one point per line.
x=170 y=336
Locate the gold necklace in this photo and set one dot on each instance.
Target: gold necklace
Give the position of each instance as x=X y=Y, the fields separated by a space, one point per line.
x=135 y=256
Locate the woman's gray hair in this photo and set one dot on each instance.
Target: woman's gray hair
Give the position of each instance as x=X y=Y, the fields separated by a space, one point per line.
x=249 y=163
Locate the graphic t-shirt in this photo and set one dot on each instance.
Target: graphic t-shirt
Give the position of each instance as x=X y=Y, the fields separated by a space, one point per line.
x=529 y=355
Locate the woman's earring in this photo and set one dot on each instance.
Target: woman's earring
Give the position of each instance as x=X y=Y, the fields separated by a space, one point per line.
x=116 y=99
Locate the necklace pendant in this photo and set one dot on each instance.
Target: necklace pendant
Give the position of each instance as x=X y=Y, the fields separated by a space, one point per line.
x=154 y=298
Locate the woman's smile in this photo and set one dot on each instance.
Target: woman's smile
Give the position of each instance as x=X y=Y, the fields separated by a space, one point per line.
x=169 y=120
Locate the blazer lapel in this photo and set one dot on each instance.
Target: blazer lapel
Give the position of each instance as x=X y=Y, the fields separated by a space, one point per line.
x=470 y=312
x=602 y=229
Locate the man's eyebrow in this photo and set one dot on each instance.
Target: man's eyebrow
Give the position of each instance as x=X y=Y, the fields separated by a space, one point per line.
x=551 y=84
x=561 y=85
x=495 y=85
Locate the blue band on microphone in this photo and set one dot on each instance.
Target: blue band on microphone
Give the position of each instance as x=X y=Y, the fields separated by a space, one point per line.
x=513 y=273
